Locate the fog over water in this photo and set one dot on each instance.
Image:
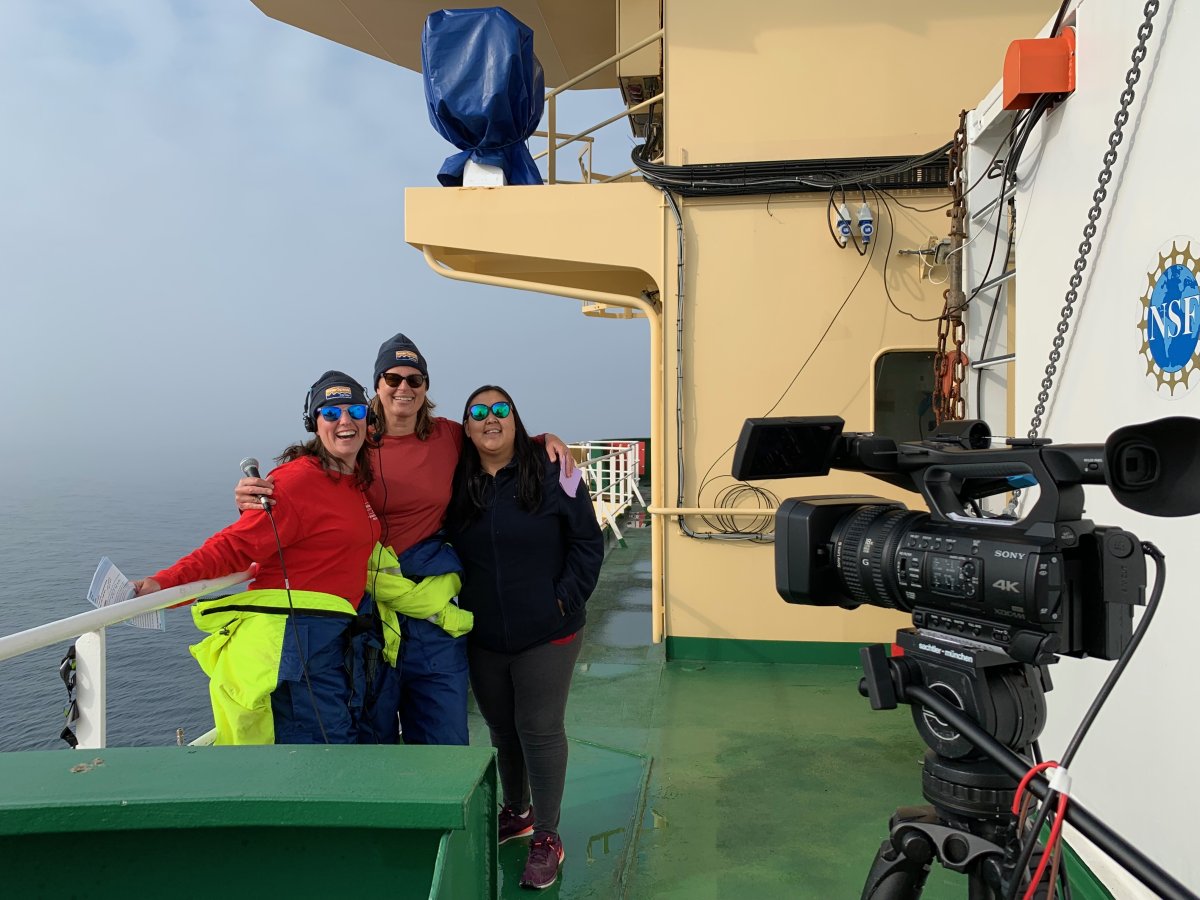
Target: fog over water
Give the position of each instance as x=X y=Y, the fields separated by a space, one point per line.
x=203 y=209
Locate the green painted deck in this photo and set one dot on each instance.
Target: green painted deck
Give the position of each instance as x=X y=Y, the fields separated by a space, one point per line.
x=764 y=780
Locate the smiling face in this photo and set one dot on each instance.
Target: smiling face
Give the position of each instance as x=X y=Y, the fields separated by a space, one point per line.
x=343 y=437
x=401 y=404
x=493 y=436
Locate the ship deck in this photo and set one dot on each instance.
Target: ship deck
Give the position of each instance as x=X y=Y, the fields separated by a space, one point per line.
x=717 y=779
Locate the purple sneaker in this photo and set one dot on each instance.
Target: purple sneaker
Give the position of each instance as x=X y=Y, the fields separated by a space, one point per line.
x=545 y=856
x=512 y=825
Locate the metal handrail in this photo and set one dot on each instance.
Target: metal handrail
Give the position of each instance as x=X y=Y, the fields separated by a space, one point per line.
x=628 y=51
x=612 y=454
x=612 y=480
x=91 y=657
x=95 y=619
x=552 y=105
x=611 y=178
x=657 y=98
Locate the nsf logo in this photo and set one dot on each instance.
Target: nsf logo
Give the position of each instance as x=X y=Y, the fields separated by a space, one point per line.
x=1170 y=319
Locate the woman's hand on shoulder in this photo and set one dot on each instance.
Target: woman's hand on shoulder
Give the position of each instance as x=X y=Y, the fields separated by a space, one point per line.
x=248 y=493
x=560 y=453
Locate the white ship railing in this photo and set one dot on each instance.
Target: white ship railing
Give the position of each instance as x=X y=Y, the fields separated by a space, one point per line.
x=552 y=135
x=91 y=660
x=611 y=470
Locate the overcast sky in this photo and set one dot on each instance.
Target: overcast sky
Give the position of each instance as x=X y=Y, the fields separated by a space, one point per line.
x=202 y=209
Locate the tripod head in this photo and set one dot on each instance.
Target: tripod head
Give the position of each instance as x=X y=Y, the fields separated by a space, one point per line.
x=1005 y=697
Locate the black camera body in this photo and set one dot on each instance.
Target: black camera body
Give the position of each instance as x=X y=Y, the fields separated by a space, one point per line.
x=1073 y=594
x=1049 y=583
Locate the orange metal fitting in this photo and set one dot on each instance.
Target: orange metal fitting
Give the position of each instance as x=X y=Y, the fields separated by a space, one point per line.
x=1039 y=66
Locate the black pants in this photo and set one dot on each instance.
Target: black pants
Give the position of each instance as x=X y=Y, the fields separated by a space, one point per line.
x=523 y=698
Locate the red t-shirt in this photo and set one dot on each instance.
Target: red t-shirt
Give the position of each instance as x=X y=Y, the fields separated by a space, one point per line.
x=413 y=479
x=326 y=526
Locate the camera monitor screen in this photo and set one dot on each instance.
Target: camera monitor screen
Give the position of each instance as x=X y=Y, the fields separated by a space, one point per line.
x=786 y=447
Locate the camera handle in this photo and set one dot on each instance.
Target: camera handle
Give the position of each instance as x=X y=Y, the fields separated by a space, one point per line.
x=888 y=682
x=946 y=488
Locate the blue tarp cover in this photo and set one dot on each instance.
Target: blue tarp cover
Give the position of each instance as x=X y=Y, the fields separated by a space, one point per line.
x=484 y=89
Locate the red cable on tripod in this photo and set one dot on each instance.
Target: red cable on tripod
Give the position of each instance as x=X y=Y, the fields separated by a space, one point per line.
x=1040 y=767
x=1055 y=829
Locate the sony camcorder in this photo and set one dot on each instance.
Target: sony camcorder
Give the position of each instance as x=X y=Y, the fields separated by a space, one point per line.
x=1050 y=582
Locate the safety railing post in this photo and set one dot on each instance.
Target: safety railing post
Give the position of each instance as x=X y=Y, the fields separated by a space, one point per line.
x=551 y=126
x=91 y=690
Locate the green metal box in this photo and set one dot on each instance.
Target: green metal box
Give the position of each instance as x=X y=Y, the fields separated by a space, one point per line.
x=250 y=821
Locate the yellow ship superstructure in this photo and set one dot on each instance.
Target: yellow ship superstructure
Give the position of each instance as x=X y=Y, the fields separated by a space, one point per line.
x=752 y=308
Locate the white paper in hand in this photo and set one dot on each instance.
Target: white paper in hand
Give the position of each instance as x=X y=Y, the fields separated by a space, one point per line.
x=109 y=585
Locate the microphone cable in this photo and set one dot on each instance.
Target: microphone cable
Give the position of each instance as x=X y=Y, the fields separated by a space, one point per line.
x=295 y=629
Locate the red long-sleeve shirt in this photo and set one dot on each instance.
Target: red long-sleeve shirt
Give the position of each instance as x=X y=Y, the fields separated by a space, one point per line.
x=326 y=526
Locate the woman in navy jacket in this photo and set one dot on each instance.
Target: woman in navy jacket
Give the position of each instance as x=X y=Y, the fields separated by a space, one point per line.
x=531 y=552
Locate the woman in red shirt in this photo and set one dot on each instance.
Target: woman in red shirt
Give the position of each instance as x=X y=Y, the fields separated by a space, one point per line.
x=277 y=654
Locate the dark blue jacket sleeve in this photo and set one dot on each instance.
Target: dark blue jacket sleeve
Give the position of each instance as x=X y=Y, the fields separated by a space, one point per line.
x=584 y=546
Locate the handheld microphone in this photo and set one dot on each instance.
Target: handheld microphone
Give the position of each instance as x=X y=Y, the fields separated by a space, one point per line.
x=250 y=470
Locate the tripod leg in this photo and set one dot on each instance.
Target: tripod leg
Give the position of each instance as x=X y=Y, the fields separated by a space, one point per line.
x=978 y=889
x=895 y=876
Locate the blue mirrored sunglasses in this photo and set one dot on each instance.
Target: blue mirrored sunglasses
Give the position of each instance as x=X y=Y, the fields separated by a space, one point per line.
x=333 y=413
x=479 y=411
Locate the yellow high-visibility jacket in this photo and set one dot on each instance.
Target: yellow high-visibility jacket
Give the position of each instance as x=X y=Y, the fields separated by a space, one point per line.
x=429 y=598
x=241 y=655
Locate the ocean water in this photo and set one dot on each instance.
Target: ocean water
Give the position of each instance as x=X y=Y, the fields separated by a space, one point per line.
x=51 y=539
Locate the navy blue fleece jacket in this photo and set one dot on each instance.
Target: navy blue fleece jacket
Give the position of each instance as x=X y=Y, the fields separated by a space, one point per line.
x=519 y=565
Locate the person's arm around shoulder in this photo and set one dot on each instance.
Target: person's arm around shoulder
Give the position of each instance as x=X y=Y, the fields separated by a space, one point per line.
x=559 y=453
x=585 y=543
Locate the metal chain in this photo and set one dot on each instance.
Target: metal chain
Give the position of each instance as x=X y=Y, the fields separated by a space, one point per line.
x=1098 y=197
x=939 y=368
x=949 y=366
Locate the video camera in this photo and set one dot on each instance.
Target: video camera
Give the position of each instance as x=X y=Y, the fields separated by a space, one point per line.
x=1048 y=583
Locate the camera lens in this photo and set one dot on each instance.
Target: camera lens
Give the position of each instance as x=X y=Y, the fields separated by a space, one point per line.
x=865 y=545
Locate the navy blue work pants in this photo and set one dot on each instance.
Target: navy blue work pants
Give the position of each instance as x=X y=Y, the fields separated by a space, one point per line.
x=421 y=701
x=433 y=685
x=311 y=703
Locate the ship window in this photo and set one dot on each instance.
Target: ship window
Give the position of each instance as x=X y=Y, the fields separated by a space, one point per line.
x=903 y=393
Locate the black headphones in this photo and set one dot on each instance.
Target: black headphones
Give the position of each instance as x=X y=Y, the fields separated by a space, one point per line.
x=310 y=424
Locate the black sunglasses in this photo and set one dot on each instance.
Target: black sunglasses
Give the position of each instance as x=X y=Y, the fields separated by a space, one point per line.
x=392 y=380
